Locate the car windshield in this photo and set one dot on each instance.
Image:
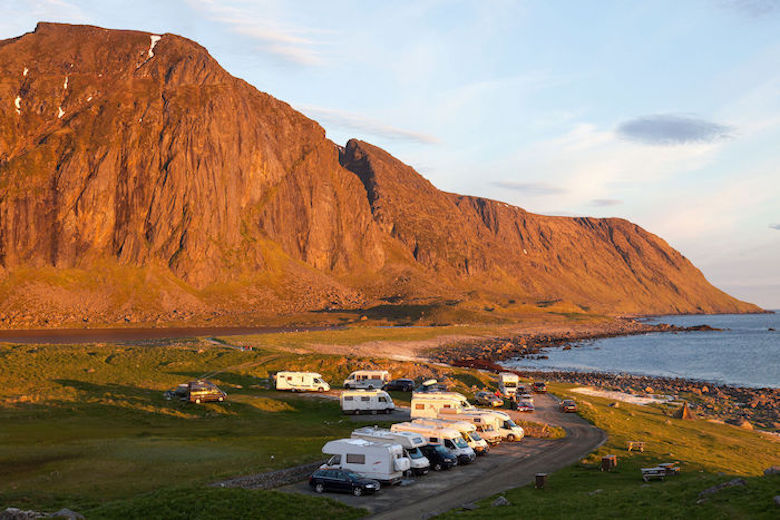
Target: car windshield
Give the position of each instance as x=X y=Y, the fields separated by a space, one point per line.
x=415 y=453
x=441 y=450
x=509 y=423
x=317 y=380
x=460 y=443
x=466 y=405
x=510 y=384
x=475 y=436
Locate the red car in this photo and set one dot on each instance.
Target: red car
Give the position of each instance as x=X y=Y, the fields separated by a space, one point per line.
x=540 y=387
x=568 y=405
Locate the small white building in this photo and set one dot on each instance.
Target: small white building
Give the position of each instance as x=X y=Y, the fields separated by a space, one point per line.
x=366 y=401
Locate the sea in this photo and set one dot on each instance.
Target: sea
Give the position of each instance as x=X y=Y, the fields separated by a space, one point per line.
x=745 y=353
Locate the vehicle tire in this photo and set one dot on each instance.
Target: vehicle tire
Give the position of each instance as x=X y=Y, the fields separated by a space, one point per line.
x=437 y=466
x=356 y=412
x=320 y=389
x=221 y=399
x=370 y=387
x=357 y=491
x=510 y=438
x=197 y=401
x=319 y=487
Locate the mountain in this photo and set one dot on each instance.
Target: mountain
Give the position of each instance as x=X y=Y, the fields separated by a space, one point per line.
x=139 y=181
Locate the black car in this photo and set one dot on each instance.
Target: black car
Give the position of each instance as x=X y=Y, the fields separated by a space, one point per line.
x=439 y=457
x=401 y=385
x=342 y=481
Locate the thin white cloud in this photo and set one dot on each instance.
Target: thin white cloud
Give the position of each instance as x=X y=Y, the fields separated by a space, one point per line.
x=605 y=202
x=672 y=129
x=288 y=43
x=530 y=188
x=352 y=121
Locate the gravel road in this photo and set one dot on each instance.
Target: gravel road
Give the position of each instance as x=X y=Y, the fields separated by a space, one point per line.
x=507 y=466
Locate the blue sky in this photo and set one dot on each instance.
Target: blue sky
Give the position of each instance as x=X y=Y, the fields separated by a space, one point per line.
x=664 y=113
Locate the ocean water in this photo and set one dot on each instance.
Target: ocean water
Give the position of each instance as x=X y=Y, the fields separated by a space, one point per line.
x=745 y=353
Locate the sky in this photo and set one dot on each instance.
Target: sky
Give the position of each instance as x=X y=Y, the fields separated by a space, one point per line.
x=665 y=113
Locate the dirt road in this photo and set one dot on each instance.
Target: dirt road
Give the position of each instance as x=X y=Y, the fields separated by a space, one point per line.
x=507 y=466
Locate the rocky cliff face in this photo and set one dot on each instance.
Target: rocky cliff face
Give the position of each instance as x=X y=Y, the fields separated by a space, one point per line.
x=136 y=174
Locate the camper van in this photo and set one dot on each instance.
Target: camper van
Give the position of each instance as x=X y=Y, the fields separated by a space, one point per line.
x=447 y=437
x=379 y=461
x=369 y=379
x=366 y=401
x=491 y=425
x=507 y=427
x=429 y=404
x=466 y=429
x=301 y=382
x=507 y=384
x=410 y=442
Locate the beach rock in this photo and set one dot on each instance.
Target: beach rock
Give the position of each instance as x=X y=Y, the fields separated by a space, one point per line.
x=648 y=390
x=703 y=495
x=67 y=514
x=500 y=501
x=615 y=404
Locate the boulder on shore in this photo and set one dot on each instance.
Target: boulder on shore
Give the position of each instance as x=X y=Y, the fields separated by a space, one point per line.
x=684 y=412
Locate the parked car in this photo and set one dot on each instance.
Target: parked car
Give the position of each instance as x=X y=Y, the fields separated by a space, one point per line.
x=540 y=387
x=196 y=392
x=568 y=405
x=439 y=457
x=488 y=399
x=342 y=481
x=400 y=385
x=525 y=406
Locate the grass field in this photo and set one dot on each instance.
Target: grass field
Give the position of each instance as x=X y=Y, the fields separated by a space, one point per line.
x=709 y=454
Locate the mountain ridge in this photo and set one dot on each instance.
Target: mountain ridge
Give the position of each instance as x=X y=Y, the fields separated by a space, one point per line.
x=136 y=166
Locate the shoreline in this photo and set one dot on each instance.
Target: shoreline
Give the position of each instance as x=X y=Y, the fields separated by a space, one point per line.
x=745 y=407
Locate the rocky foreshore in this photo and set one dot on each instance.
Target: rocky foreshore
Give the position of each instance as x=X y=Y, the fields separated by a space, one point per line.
x=741 y=406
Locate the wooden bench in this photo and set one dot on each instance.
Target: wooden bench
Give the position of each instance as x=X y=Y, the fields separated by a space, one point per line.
x=672 y=468
x=650 y=473
x=635 y=445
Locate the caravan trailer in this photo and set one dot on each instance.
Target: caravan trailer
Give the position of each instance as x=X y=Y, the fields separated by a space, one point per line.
x=466 y=429
x=379 y=461
x=507 y=384
x=410 y=442
x=366 y=401
x=447 y=437
x=369 y=379
x=301 y=382
x=430 y=404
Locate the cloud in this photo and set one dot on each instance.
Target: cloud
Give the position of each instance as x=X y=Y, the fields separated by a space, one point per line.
x=531 y=188
x=753 y=8
x=672 y=129
x=290 y=44
x=605 y=202
x=343 y=119
x=775 y=226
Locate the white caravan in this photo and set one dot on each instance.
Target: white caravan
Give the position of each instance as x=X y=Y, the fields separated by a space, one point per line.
x=366 y=401
x=369 y=379
x=507 y=383
x=300 y=382
x=447 y=437
x=466 y=429
x=379 y=461
x=430 y=404
x=409 y=441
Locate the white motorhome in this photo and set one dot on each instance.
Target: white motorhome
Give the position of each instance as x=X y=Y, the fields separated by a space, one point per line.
x=366 y=401
x=369 y=379
x=447 y=437
x=430 y=404
x=466 y=429
x=492 y=425
x=410 y=442
x=301 y=382
x=507 y=383
x=507 y=427
x=379 y=461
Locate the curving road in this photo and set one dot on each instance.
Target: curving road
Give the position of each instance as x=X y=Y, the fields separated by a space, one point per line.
x=507 y=466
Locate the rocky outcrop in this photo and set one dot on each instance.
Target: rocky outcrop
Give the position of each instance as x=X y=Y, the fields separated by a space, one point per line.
x=139 y=181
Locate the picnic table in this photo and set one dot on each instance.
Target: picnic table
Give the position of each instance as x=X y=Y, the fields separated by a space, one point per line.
x=635 y=445
x=656 y=472
x=671 y=468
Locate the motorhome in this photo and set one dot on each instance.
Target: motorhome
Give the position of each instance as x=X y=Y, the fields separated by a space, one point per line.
x=379 y=461
x=507 y=384
x=429 y=404
x=466 y=429
x=369 y=379
x=300 y=382
x=366 y=401
x=492 y=425
x=507 y=427
x=409 y=441
x=447 y=437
